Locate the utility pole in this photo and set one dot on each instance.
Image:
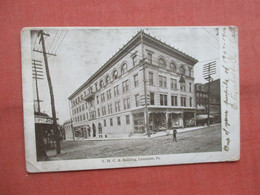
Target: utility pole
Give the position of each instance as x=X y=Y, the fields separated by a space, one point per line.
x=208 y=70
x=145 y=90
x=37 y=74
x=41 y=34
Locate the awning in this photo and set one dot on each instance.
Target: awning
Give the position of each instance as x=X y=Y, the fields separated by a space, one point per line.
x=203 y=116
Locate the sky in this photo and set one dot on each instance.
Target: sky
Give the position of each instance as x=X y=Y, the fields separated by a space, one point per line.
x=81 y=52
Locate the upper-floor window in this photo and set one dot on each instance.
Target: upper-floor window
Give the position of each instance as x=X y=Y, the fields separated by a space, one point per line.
x=183 y=86
x=90 y=89
x=183 y=101
x=190 y=72
x=108 y=80
x=136 y=82
x=124 y=69
x=103 y=111
x=150 y=78
x=137 y=100
x=110 y=111
x=109 y=94
x=96 y=86
x=173 y=67
x=97 y=99
x=134 y=60
x=190 y=102
x=101 y=84
x=152 y=98
x=162 y=63
x=118 y=121
x=190 y=87
x=182 y=70
x=163 y=100
x=102 y=97
x=162 y=81
x=173 y=84
x=127 y=119
x=125 y=86
x=126 y=103
x=150 y=58
x=116 y=90
x=174 y=100
x=117 y=106
x=115 y=74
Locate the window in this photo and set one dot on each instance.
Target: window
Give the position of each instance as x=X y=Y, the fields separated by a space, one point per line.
x=174 y=100
x=103 y=111
x=183 y=86
x=98 y=112
x=182 y=70
x=163 y=100
x=80 y=108
x=137 y=100
x=127 y=103
x=96 y=86
x=92 y=114
x=101 y=84
x=107 y=80
x=152 y=98
x=173 y=84
x=162 y=81
x=134 y=60
x=150 y=58
x=162 y=63
x=109 y=94
x=190 y=102
x=110 y=111
x=86 y=105
x=83 y=107
x=136 y=80
x=117 y=106
x=124 y=69
x=115 y=74
x=190 y=72
x=183 y=101
x=190 y=87
x=105 y=123
x=125 y=86
x=103 y=97
x=150 y=78
x=118 y=121
x=116 y=90
x=111 y=122
x=173 y=67
x=127 y=119
x=84 y=118
x=87 y=116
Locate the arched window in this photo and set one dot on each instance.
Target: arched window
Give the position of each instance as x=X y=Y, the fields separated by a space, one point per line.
x=162 y=63
x=107 y=80
x=182 y=70
x=115 y=74
x=101 y=84
x=173 y=67
x=124 y=69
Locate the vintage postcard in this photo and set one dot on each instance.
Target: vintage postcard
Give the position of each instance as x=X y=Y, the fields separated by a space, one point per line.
x=114 y=97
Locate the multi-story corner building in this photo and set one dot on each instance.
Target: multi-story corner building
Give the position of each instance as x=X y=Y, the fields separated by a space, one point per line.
x=202 y=102
x=146 y=86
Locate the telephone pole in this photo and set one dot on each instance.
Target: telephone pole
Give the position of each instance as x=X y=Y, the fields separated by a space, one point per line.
x=41 y=34
x=145 y=90
x=208 y=70
x=37 y=74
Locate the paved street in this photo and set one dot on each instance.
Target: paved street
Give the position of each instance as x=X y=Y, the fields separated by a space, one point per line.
x=201 y=140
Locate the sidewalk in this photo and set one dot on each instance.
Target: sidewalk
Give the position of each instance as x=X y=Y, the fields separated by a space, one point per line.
x=145 y=136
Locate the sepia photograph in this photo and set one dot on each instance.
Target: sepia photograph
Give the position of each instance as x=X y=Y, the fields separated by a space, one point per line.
x=124 y=97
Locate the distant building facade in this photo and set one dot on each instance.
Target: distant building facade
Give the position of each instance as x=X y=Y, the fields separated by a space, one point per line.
x=147 y=83
x=68 y=131
x=202 y=102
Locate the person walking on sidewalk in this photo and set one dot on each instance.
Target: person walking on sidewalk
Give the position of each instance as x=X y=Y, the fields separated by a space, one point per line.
x=174 y=134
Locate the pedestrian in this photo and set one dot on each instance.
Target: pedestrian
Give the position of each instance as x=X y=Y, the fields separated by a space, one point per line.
x=174 y=134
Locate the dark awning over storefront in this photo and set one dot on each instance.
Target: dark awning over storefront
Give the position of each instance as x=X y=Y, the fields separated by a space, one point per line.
x=203 y=116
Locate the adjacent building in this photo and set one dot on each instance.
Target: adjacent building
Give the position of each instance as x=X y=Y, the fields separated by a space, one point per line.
x=146 y=86
x=68 y=130
x=203 y=100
